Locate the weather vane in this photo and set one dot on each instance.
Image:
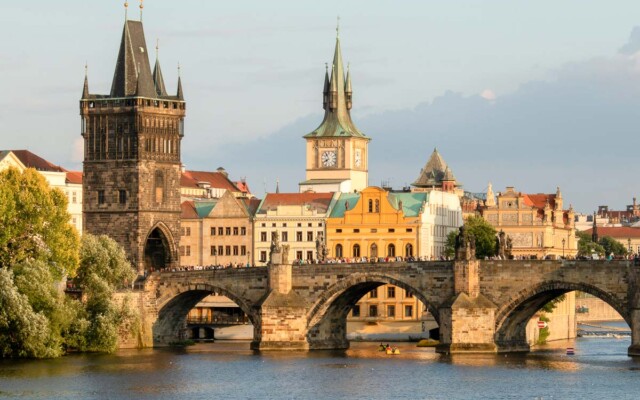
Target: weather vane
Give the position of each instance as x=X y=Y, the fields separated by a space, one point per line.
x=126 y=7
x=141 y=7
x=338 y=28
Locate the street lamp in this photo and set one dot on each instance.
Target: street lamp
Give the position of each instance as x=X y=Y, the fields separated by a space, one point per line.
x=563 y=242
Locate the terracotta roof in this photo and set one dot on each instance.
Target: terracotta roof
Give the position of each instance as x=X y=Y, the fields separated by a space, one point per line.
x=217 y=180
x=539 y=200
x=320 y=201
x=617 y=232
x=74 y=177
x=31 y=160
x=243 y=187
x=188 y=210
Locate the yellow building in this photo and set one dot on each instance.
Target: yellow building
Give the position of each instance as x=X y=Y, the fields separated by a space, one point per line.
x=536 y=225
x=628 y=236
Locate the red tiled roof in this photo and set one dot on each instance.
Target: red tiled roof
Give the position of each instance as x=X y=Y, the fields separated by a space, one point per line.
x=244 y=188
x=216 y=179
x=31 y=160
x=320 y=201
x=617 y=232
x=539 y=200
x=252 y=204
x=188 y=210
x=74 y=177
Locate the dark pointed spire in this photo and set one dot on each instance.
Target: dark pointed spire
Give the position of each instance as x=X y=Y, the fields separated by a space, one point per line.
x=158 y=79
x=347 y=88
x=594 y=229
x=325 y=92
x=132 y=76
x=179 y=94
x=85 y=89
x=337 y=118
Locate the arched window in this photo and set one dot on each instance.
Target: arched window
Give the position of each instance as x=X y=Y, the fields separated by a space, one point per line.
x=159 y=187
x=374 y=250
x=408 y=250
x=370 y=205
x=391 y=250
x=356 y=250
x=339 y=250
x=377 y=206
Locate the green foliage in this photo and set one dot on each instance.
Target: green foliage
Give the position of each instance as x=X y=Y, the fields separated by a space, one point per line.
x=485 y=236
x=550 y=306
x=612 y=246
x=34 y=223
x=450 y=247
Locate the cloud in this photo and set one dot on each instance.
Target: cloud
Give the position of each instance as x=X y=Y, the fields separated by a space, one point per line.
x=633 y=44
x=488 y=94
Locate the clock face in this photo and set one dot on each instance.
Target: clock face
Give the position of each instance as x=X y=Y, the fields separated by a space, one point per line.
x=329 y=158
x=358 y=158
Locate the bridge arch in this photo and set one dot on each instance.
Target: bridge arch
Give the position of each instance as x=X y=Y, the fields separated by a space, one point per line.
x=327 y=316
x=173 y=310
x=512 y=318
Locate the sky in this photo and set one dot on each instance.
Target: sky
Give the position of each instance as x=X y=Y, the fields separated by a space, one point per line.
x=531 y=94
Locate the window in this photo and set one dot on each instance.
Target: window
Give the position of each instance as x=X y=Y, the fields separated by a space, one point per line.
x=409 y=229
x=220 y=231
x=409 y=295
x=263 y=236
x=373 y=311
x=356 y=230
x=355 y=311
x=285 y=236
x=159 y=187
x=338 y=230
x=356 y=250
x=220 y=250
x=309 y=224
x=309 y=236
x=298 y=236
x=339 y=250
x=263 y=256
x=263 y=225
x=391 y=250
x=243 y=250
x=319 y=223
x=377 y=206
x=187 y=231
x=408 y=250
x=273 y=225
x=227 y=250
x=374 y=250
x=284 y=224
x=298 y=255
x=373 y=294
x=391 y=292
x=188 y=250
x=243 y=231
x=370 y=205
x=213 y=231
x=235 y=231
x=408 y=311
x=100 y=196
x=75 y=200
x=391 y=230
x=391 y=311
x=227 y=231
x=374 y=231
x=299 y=224
x=213 y=250
x=236 y=250
x=309 y=255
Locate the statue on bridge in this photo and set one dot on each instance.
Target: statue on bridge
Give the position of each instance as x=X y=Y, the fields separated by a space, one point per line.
x=276 y=253
x=321 y=248
x=465 y=245
x=501 y=241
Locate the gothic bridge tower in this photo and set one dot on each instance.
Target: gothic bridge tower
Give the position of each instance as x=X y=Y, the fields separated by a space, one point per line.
x=132 y=167
x=337 y=152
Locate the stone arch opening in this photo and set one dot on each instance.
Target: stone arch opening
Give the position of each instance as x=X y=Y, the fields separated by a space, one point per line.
x=327 y=318
x=172 y=324
x=512 y=319
x=158 y=249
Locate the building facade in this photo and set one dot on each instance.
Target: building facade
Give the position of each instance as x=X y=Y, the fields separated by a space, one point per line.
x=536 y=224
x=298 y=218
x=132 y=168
x=337 y=152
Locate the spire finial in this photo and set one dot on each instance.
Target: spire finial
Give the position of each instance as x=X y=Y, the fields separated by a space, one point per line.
x=141 y=7
x=338 y=28
x=86 y=69
x=126 y=8
x=157 y=46
x=326 y=66
x=178 y=70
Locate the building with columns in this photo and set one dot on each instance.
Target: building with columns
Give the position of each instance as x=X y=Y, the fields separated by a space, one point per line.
x=537 y=224
x=337 y=152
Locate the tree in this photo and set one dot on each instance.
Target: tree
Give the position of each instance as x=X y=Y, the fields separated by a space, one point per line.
x=484 y=233
x=450 y=246
x=612 y=246
x=34 y=223
x=103 y=269
x=587 y=247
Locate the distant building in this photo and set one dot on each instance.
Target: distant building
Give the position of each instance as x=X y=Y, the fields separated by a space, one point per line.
x=624 y=217
x=69 y=182
x=208 y=185
x=436 y=175
x=629 y=237
x=536 y=224
x=337 y=151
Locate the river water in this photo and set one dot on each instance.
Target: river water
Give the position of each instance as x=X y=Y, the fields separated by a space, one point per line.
x=600 y=369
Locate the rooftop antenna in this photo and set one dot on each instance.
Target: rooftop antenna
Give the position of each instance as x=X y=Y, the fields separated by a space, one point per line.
x=141 y=7
x=126 y=8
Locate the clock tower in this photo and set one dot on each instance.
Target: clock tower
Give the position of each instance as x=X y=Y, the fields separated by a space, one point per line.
x=337 y=153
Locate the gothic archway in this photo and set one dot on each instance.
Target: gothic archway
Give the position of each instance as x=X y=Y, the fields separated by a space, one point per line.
x=159 y=252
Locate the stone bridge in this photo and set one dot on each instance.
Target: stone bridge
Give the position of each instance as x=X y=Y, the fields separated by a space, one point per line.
x=481 y=306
